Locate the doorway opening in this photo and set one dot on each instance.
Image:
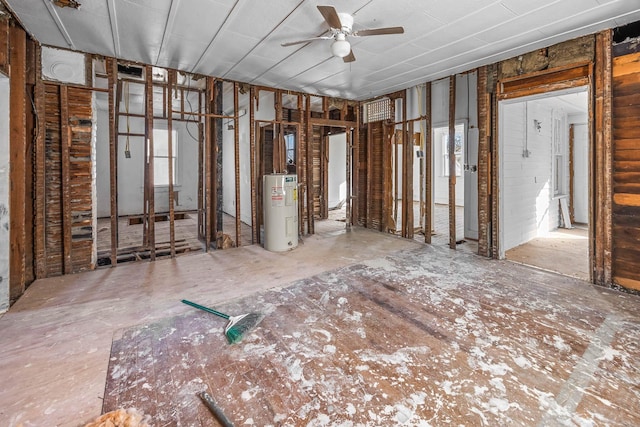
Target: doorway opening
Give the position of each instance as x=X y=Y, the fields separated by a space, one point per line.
x=544 y=181
x=454 y=164
x=440 y=181
x=335 y=188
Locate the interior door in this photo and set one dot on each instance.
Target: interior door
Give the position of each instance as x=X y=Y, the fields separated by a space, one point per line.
x=471 y=185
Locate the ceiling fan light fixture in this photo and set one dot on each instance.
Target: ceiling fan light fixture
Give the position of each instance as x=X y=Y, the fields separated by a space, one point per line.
x=340 y=47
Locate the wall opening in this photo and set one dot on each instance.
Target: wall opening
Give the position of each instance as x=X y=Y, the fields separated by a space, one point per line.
x=544 y=181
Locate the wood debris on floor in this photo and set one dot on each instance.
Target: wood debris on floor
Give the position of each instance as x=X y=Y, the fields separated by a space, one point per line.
x=422 y=337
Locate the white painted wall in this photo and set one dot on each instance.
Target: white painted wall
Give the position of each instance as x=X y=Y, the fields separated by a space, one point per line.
x=581 y=173
x=337 y=169
x=228 y=160
x=4 y=194
x=527 y=209
x=131 y=170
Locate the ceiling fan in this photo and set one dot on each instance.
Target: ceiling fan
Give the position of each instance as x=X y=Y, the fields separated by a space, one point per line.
x=341 y=27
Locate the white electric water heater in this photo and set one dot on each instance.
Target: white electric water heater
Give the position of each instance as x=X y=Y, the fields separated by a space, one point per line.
x=280 y=208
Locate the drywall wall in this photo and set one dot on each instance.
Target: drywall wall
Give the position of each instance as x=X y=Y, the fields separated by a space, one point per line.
x=4 y=194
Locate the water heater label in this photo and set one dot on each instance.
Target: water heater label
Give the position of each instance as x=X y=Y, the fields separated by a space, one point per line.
x=277 y=196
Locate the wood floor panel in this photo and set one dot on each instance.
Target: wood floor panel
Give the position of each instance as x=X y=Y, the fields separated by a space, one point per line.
x=417 y=337
x=361 y=328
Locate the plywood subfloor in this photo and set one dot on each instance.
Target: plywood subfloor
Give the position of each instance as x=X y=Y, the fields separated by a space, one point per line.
x=360 y=327
x=391 y=342
x=565 y=251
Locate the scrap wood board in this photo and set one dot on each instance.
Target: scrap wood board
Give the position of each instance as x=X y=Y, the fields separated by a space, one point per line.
x=419 y=338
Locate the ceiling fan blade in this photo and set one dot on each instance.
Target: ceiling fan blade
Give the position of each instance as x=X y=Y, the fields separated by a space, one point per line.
x=331 y=16
x=349 y=58
x=306 y=41
x=379 y=31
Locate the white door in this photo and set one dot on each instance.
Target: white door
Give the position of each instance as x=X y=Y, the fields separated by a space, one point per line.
x=580 y=173
x=471 y=185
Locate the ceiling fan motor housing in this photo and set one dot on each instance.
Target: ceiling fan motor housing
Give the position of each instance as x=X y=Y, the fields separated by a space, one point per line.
x=346 y=21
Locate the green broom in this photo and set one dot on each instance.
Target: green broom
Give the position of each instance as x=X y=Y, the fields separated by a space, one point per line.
x=237 y=326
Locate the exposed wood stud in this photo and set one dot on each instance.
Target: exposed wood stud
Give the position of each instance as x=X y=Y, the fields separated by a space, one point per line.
x=396 y=174
x=115 y=93
x=355 y=167
x=149 y=159
x=217 y=189
x=452 y=162
x=300 y=136
x=428 y=159
x=40 y=175
x=309 y=170
x=254 y=178
x=236 y=157
x=209 y=211
x=484 y=186
x=168 y=107
x=17 y=160
x=369 y=153
x=65 y=134
x=349 y=156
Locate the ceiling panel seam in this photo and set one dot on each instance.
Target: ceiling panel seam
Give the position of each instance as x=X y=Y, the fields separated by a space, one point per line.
x=115 y=35
x=263 y=39
x=59 y=24
x=224 y=25
x=168 y=26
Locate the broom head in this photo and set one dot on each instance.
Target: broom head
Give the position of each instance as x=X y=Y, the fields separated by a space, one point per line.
x=240 y=325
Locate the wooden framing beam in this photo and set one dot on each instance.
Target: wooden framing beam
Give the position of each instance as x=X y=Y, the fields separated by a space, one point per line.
x=168 y=98
x=355 y=167
x=114 y=110
x=149 y=160
x=236 y=158
x=217 y=165
x=255 y=179
x=317 y=121
x=40 y=175
x=369 y=152
x=428 y=167
x=452 y=162
x=484 y=161
x=300 y=170
x=65 y=139
x=309 y=169
x=17 y=161
x=349 y=156
x=602 y=165
x=209 y=205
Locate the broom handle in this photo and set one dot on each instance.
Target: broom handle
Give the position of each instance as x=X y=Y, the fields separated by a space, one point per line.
x=207 y=309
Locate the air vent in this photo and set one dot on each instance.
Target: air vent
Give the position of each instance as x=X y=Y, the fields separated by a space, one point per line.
x=377 y=110
x=130 y=71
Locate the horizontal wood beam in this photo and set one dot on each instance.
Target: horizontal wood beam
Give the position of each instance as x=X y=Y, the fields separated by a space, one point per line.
x=316 y=121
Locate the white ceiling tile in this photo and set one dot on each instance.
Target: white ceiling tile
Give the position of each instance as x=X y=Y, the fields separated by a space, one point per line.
x=241 y=39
